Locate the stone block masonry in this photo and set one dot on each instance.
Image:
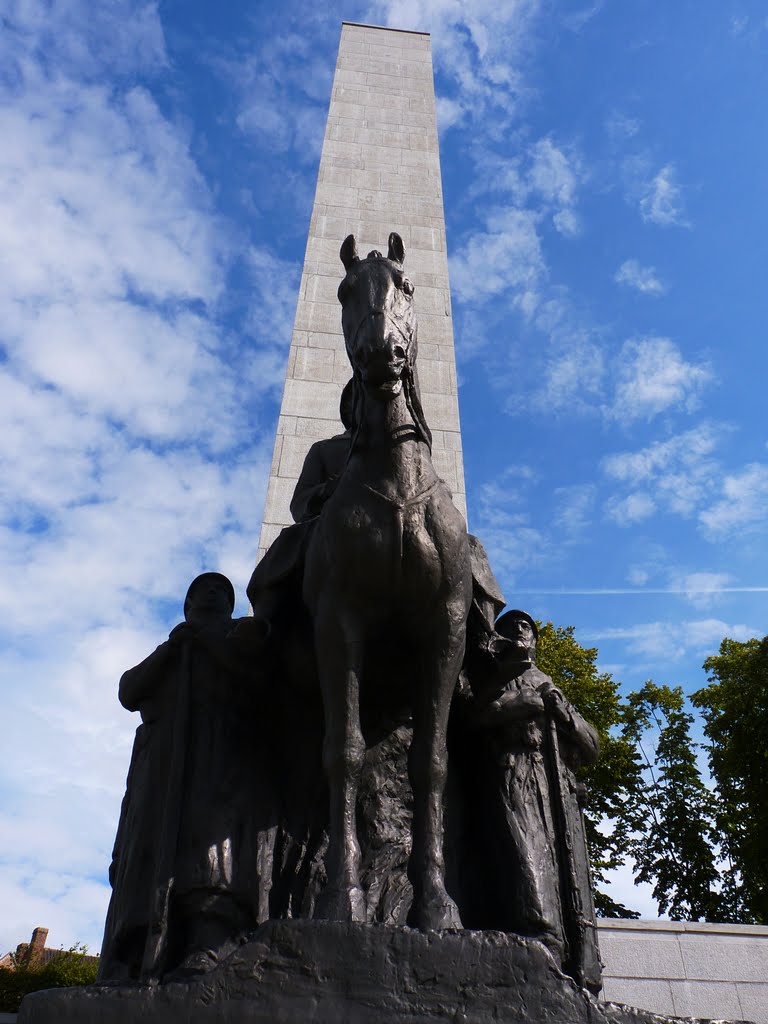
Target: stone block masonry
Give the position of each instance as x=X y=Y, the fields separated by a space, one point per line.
x=687 y=969
x=379 y=172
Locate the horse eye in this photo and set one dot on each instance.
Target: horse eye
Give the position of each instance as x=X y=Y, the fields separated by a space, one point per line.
x=407 y=286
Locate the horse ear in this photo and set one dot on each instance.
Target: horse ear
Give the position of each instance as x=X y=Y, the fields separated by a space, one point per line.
x=348 y=251
x=396 y=248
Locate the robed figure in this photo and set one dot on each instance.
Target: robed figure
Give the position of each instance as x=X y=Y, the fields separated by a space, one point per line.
x=528 y=864
x=191 y=866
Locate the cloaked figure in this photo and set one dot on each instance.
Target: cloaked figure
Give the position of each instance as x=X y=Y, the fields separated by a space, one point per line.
x=191 y=867
x=529 y=862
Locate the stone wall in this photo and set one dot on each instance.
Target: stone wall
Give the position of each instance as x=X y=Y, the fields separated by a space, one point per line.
x=690 y=970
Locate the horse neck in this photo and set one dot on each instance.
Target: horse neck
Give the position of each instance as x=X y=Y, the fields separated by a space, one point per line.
x=391 y=455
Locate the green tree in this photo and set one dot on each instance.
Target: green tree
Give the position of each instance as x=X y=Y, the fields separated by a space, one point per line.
x=735 y=710
x=673 y=840
x=616 y=780
x=69 y=968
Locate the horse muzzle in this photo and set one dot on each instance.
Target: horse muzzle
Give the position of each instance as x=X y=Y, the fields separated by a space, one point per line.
x=383 y=376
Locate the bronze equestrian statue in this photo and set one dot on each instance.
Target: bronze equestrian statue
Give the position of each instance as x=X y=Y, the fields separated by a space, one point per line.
x=388 y=557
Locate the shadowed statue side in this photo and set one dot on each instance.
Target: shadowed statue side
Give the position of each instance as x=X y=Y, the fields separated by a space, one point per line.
x=389 y=562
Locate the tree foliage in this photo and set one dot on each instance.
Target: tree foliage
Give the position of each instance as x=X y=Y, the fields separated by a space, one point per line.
x=735 y=710
x=69 y=968
x=648 y=802
x=673 y=840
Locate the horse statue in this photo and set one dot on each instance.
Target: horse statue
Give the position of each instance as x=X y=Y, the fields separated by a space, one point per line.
x=387 y=567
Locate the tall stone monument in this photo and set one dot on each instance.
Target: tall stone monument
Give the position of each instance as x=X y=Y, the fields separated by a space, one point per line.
x=379 y=172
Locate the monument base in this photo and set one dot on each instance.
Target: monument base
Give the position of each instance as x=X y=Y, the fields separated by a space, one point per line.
x=310 y=972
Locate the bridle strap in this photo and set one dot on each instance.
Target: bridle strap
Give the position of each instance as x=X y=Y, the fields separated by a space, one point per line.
x=395 y=321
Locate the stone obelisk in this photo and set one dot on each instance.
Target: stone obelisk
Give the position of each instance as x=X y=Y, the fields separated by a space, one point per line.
x=379 y=172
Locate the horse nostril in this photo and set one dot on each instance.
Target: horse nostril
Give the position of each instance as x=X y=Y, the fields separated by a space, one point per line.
x=399 y=352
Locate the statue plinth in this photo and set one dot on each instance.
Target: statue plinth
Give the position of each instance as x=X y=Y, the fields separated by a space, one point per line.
x=313 y=972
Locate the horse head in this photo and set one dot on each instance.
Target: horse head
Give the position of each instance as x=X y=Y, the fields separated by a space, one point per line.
x=377 y=317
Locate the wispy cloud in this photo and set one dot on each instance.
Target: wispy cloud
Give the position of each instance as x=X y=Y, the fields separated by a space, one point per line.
x=653 y=376
x=661 y=199
x=742 y=502
x=284 y=89
x=129 y=417
x=554 y=178
x=503 y=524
x=576 y=20
x=633 y=508
x=690 y=448
x=703 y=589
x=643 y=279
x=505 y=258
x=692 y=592
x=478 y=48
x=671 y=641
x=675 y=475
x=620 y=127
x=574 y=507
x=119 y=38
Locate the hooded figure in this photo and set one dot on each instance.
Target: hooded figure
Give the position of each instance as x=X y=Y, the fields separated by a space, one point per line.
x=191 y=865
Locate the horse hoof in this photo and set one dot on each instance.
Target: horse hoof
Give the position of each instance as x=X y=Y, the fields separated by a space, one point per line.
x=440 y=915
x=342 y=905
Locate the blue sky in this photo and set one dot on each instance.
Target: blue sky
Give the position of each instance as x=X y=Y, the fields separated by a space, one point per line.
x=604 y=169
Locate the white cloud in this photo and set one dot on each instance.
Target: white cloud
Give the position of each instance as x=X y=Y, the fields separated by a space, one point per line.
x=503 y=525
x=634 y=508
x=644 y=279
x=573 y=508
x=501 y=259
x=672 y=641
x=567 y=223
x=679 y=473
x=283 y=84
x=702 y=589
x=661 y=201
x=578 y=19
x=449 y=112
x=506 y=257
x=573 y=372
x=743 y=501
x=553 y=177
x=87 y=39
x=478 y=50
x=129 y=425
x=652 y=376
x=685 y=450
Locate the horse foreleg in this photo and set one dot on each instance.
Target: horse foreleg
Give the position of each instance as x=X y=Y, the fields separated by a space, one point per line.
x=339 y=662
x=432 y=908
